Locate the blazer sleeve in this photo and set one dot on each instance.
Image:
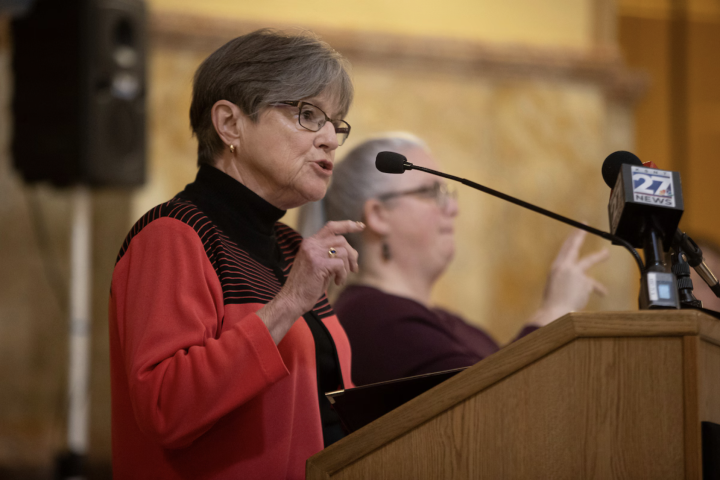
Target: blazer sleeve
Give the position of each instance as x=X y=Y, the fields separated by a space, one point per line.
x=183 y=375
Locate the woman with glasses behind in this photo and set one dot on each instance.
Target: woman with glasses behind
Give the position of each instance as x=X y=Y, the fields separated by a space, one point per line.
x=407 y=244
x=222 y=341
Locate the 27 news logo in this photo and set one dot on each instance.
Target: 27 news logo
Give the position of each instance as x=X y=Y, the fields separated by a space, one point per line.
x=654 y=187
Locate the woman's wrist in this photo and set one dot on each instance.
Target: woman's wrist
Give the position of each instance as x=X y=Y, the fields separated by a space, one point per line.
x=279 y=314
x=547 y=314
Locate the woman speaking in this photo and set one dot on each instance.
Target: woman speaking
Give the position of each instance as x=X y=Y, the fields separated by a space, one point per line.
x=222 y=341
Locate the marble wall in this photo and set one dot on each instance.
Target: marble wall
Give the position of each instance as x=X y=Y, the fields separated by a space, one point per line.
x=568 y=23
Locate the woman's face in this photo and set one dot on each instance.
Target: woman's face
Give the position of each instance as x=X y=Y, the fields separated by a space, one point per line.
x=284 y=163
x=421 y=232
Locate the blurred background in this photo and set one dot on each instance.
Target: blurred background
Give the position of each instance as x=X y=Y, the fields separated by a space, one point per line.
x=522 y=96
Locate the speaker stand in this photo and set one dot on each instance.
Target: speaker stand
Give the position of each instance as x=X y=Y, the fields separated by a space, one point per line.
x=71 y=464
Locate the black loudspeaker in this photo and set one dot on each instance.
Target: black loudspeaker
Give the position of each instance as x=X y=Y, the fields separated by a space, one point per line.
x=79 y=93
x=15 y=7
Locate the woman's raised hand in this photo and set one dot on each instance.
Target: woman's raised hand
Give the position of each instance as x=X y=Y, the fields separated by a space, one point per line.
x=568 y=286
x=324 y=257
x=315 y=266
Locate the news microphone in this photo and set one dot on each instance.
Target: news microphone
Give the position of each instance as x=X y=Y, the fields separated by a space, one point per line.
x=645 y=209
x=680 y=242
x=392 y=162
x=643 y=200
x=614 y=162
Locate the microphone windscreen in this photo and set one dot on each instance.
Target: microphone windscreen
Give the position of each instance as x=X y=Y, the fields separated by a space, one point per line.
x=612 y=164
x=390 y=162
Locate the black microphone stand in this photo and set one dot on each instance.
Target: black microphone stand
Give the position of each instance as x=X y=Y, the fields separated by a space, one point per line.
x=658 y=287
x=694 y=257
x=681 y=269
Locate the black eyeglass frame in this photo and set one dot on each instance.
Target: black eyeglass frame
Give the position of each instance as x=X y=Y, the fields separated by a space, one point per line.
x=339 y=129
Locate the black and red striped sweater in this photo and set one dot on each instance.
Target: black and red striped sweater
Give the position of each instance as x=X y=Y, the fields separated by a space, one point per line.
x=199 y=388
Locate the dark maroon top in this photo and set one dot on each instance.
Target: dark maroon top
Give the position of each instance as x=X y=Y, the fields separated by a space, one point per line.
x=394 y=337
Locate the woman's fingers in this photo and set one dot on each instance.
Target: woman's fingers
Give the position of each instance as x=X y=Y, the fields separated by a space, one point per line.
x=342 y=250
x=340 y=228
x=340 y=264
x=593 y=258
x=340 y=271
x=568 y=287
x=333 y=232
x=353 y=257
x=350 y=255
x=570 y=249
x=599 y=288
x=324 y=257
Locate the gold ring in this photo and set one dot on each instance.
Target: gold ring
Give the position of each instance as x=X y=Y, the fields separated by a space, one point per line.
x=332 y=252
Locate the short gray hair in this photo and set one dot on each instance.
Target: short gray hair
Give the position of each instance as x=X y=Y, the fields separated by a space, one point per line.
x=355 y=180
x=259 y=69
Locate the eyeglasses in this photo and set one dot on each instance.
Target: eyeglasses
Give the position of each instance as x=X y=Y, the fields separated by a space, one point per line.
x=312 y=118
x=440 y=192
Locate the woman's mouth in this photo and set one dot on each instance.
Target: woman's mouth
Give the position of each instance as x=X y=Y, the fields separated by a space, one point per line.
x=325 y=165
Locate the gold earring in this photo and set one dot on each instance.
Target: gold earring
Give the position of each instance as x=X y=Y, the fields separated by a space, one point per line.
x=232 y=149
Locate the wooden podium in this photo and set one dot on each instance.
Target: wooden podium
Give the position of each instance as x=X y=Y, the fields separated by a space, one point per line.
x=592 y=395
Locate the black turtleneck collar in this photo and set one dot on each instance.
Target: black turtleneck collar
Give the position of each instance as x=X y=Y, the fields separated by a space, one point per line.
x=243 y=215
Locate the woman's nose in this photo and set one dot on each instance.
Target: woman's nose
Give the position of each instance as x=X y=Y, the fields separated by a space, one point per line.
x=326 y=137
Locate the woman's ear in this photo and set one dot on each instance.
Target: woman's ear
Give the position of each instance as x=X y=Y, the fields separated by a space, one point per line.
x=227 y=118
x=376 y=217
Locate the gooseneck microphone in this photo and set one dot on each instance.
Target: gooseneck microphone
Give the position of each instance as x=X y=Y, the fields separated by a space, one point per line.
x=392 y=162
